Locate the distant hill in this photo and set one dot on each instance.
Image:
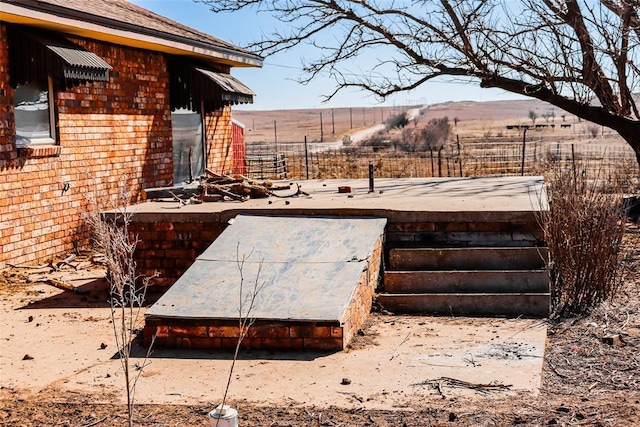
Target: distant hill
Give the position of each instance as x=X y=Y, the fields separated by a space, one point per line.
x=294 y=125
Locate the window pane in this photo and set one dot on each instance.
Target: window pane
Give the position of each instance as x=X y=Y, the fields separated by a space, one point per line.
x=31 y=102
x=187 y=138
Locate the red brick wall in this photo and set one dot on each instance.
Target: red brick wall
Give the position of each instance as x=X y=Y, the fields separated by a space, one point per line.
x=167 y=246
x=7 y=125
x=219 y=141
x=111 y=135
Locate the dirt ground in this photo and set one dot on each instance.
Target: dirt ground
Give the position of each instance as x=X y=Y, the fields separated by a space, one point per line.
x=586 y=380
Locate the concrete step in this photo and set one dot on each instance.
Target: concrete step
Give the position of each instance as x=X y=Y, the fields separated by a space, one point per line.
x=475 y=281
x=476 y=258
x=485 y=304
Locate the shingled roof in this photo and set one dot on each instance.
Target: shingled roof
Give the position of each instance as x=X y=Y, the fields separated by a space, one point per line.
x=122 y=15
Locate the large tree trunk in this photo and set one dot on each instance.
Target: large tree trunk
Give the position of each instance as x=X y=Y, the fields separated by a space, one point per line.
x=631 y=134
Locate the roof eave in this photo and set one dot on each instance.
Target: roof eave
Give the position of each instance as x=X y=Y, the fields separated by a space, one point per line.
x=84 y=25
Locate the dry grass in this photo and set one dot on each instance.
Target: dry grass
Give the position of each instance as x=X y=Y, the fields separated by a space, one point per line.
x=583 y=229
x=486 y=147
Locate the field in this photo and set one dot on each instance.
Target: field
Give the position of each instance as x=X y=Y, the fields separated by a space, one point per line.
x=486 y=140
x=475 y=119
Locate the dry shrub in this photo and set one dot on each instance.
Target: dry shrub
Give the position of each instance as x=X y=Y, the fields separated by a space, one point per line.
x=111 y=237
x=583 y=228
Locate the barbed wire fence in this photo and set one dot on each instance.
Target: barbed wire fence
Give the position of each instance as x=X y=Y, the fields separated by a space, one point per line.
x=301 y=160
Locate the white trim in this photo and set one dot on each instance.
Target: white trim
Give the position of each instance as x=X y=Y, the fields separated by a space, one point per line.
x=52 y=113
x=238 y=123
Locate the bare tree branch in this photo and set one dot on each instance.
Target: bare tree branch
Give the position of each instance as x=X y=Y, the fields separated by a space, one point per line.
x=580 y=55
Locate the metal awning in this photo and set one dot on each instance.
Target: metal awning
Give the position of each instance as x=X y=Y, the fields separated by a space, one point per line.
x=78 y=63
x=233 y=90
x=192 y=84
x=34 y=54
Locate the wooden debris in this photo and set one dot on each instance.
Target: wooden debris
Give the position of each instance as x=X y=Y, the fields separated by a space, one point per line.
x=182 y=191
x=614 y=340
x=211 y=197
x=454 y=382
x=66 y=261
x=191 y=200
x=66 y=286
x=219 y=187
x=33 y=267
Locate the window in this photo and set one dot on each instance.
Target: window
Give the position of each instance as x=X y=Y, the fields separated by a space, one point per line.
x=34 y=113
x=188 y=145
x=37 y=60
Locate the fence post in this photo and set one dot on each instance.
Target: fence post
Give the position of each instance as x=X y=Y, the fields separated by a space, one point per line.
x=306 y=156
x=524 y=142
x=433 y=173
x=371 y=188
x=440 y=163
x=459 y=155
x=575 y=172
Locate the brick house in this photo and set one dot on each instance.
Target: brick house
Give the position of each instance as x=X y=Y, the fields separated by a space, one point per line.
x=96 y=96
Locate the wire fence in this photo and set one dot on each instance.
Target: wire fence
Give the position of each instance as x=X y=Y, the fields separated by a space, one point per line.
x=469 y=159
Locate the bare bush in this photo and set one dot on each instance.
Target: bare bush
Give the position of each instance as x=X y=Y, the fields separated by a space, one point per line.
x=583 y=228
x=110 y=232
x=433 y=136
x=593 y=130
x=246 y=302
x=399 y=121
x=379 y=140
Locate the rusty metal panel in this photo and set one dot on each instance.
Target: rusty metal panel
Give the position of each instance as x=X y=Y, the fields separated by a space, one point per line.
x=307 y=268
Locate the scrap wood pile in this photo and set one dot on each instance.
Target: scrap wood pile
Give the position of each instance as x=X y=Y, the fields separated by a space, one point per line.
x=219 y=187
x=60 y=273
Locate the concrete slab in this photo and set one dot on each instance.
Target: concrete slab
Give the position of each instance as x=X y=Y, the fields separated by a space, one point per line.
x=531 y=304
x=307 y=269
x=469 y=281
x=435 y=199
x=487 y=258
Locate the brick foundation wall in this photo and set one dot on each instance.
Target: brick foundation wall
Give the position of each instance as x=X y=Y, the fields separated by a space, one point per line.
x=262 y=335
x=112 y=135
x=362 y=299
x=169 y=246
x=462 y=233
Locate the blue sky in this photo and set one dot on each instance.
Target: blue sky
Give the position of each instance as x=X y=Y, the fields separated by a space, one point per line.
x=275 y=84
